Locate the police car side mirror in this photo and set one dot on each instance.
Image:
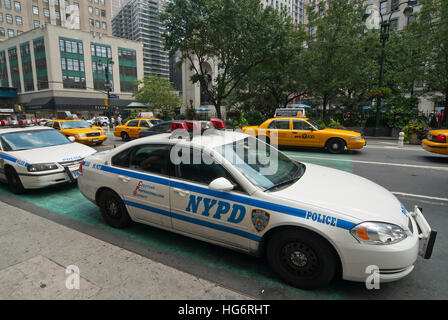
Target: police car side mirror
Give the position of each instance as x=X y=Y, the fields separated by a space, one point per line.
x=72 y=139
x=221 y=184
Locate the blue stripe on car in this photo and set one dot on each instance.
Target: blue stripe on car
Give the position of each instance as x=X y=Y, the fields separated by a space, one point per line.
x=195 y=221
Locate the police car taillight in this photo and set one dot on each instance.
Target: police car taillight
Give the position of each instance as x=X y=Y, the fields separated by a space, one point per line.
x=178 y=125
x=440 y=138
x=218 y=123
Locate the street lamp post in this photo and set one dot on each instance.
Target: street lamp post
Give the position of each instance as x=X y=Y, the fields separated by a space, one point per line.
x=107 y=85
x=384 y=36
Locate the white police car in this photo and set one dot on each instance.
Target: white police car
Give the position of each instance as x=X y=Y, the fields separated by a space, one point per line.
x=232 y=189
x=36 y=157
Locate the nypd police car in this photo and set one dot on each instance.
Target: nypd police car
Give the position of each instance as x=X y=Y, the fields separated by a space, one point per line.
x=232 y=189
x=36 y=157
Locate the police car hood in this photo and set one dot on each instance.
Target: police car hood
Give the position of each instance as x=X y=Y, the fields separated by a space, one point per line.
x=60 y=153
x=345 y=193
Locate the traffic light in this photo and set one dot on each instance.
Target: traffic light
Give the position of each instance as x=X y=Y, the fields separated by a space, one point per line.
x=106 y=102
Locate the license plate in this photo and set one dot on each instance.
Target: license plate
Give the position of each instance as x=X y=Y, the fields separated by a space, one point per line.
x=95 y=139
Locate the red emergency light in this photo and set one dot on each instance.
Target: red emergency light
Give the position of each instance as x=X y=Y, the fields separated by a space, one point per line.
x=217 y=123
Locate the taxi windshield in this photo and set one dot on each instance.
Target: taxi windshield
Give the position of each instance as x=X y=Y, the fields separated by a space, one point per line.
x=75 y=124
x=24 y=140
x=261 y=163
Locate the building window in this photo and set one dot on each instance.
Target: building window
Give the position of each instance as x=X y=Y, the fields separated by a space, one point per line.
x=46 y=12
x=10 y=33
x=57 y=15
x=90 y=10
x=1 y=17
x=394 y=24
x=103 y=13
x=97 y=24
x=41 y=64
x=36 y=23
x=395 y=5
x=2 y=32
x=17 y=6
x=27 y=68
x=9 y=18
x=8 y=4
x=104 y=25
x=97 y=11
x=19 y=20
x=35 y=10
x=91 y=22
x=383 y=7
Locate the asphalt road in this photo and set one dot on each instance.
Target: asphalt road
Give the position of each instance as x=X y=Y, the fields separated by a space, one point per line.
x=414 y=175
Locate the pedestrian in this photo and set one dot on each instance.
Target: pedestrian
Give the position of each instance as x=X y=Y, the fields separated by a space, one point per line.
x=119 y=120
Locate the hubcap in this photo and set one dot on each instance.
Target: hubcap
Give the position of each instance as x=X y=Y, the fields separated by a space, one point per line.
x=300 y=259
x=335 y=146
x=113 y=209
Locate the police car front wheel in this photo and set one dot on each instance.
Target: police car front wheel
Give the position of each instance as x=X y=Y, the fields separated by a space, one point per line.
x=301 y=258
x=113 y=209
x=15 y=184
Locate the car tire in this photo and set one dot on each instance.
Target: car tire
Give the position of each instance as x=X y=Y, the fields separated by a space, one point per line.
x=265 y=139
x=14 y=182
x=113 y=209
x=335 y=146
x=124 y=136
x=301 y=258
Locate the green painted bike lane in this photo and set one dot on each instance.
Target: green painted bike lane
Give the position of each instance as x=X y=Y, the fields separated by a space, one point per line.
x=67 y=201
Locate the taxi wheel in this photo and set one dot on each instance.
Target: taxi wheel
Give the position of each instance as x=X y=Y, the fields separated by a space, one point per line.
x=15 y=185
x=301 y=258
x=335 y=146
x=113 y=209
x=124 y=136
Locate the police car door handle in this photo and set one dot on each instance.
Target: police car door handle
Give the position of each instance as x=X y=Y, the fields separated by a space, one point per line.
x=181 y=192
x=124 y=179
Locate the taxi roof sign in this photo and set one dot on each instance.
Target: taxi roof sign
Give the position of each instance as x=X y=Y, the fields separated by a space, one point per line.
x=289 y=112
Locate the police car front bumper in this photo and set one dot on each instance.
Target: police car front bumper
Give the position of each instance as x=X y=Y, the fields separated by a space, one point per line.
x=392 y=262
x=44 y=179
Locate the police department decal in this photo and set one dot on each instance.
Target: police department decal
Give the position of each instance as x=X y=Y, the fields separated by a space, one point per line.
x=260 y=219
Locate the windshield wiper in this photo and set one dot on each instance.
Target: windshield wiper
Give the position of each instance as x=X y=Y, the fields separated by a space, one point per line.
x=297 y=176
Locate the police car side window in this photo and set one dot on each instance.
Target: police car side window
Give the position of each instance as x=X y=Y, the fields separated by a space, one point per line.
x=279 y=124
x=203 y=172
x=150 y=158
x=56 y=126
x=122 y=159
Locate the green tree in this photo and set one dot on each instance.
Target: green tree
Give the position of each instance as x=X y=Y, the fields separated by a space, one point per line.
x=334 y=32
x=158 y=93
x=431 y=33
x=238 y=34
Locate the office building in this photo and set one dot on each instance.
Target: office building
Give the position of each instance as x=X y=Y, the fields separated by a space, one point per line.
x=19 y=16
x=58 y=69
x=138 y=20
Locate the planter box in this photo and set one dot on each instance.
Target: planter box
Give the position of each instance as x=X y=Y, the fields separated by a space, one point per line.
x=414 y=139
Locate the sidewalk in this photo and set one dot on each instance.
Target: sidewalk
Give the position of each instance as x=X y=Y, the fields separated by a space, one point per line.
x=35 y=252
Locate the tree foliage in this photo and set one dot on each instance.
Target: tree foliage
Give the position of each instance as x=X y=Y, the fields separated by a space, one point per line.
x=238 y=34
x=158 y=93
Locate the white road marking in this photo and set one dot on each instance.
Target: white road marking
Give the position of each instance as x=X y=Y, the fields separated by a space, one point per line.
x=373 y=162
x=419 y=196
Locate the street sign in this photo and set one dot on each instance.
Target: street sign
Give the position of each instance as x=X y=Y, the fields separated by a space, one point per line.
x=114 y=96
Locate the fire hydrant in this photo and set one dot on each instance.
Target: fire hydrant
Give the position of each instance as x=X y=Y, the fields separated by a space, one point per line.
x=400 y=139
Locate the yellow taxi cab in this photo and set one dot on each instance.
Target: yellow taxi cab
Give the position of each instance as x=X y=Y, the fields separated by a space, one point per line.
x=436 y=141
x=131 y=128
x=81 y=130
x=304 y=132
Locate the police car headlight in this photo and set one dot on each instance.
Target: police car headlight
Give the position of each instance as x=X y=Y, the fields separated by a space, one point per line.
x=80 y=135
x=355 y=138
x=42 y=167
x=378 y=233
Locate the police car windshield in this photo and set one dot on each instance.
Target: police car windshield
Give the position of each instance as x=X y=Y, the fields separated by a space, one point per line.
x=261 y=163
x=75 y=124
x=24 y=140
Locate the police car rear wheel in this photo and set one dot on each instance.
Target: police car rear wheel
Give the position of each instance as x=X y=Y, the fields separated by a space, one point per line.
x=15 y=184
x=301 y=258
x=335 y=146
x=113 y=209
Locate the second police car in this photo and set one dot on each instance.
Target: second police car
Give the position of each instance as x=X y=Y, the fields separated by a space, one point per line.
x=234 y=190
x=36 y=157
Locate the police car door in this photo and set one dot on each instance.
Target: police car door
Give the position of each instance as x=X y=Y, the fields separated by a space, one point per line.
x=144 y=182
x=198 y=210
